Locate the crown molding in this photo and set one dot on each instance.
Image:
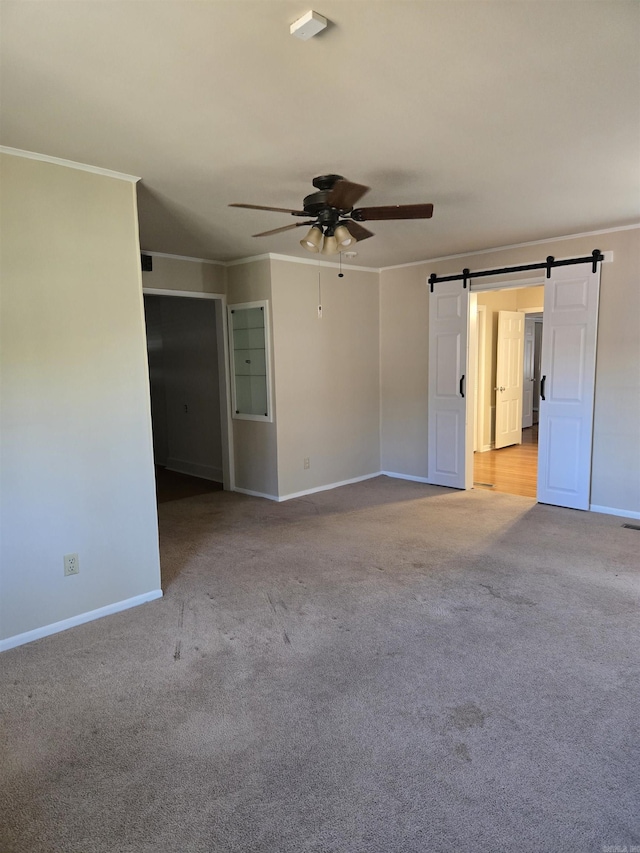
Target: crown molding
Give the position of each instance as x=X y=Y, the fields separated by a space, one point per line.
x=346 y=265
x=272 y=256
x=182 y=258
x=249 y=260
x=514 y=246
x=190 y=294
x=70 y=164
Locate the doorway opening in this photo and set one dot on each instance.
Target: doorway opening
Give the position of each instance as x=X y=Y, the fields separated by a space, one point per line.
x=189 y=383
x=505 y=346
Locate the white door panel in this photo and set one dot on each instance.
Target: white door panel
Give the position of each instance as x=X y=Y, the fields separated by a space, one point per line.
x=567 y=386
x=527 y=372
x=448 y=333
x=509 y=378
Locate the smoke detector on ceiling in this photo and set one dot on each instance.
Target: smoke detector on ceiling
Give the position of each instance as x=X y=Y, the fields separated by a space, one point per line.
x=308 y=25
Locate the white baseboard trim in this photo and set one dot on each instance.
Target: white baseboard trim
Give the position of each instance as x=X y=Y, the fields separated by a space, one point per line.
x=610 y=510
x=327 y=487
x=253 y=494
x=406 y=477
x=194 y=469
x=80 y=619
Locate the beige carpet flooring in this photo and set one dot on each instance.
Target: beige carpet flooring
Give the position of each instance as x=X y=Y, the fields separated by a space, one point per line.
x=387 y=667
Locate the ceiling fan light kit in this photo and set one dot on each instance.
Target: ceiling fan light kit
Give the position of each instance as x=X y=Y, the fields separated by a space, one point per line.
x=313 y=240
x=344 y=237
x=336 y=219
x=330 y=245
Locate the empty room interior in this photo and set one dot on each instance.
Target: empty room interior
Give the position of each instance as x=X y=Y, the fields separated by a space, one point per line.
x=320 y=460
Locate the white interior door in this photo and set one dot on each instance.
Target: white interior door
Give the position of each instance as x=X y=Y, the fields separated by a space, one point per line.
x=528 y=372
x=448 y=335
x=567 y=386
x=509 y=378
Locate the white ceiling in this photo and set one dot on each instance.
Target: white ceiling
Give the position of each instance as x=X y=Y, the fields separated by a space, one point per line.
x=517 y=120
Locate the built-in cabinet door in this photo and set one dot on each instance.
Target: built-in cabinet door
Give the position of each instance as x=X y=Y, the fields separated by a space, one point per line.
x=448 y=333
x=567 y=386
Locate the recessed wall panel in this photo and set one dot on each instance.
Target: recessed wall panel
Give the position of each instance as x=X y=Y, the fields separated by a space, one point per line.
x=563 y=461
x=447 y=376
x=567 y=364
x=571 y=295
x=447 y=426
x=448 y=306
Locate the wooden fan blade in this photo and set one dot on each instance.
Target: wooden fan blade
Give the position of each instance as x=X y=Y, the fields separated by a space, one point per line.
x=394 y=211
x=357 y=231
x=345 y=194
x=284 y=228
x=276 y=209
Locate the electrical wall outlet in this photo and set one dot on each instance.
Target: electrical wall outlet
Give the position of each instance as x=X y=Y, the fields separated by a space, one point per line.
x=71 y=564
x=306 y=463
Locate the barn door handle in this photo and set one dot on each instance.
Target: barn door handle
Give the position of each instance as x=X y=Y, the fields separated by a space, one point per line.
x=542 y=381
x=462 y=385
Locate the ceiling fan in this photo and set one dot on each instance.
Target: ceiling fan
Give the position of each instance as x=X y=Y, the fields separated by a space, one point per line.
x=335 y=223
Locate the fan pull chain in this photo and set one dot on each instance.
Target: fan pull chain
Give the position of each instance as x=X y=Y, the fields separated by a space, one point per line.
x=340 y=274
x=319 y=295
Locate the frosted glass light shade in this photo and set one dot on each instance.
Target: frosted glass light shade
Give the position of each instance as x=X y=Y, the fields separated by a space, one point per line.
x=344 y=237
x=311 y=242
x=330 y=246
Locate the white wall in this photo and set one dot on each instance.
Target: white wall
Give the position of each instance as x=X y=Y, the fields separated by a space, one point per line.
x=77 y=463
x=404 y=360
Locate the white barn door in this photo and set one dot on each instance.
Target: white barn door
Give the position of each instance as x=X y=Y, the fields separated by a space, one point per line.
x=448 y=334
x=567 y=386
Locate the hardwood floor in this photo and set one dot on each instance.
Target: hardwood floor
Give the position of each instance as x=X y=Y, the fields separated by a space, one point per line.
x=512 y=469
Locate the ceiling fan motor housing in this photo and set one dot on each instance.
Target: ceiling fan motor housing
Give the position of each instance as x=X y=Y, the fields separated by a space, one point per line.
x=317 y=205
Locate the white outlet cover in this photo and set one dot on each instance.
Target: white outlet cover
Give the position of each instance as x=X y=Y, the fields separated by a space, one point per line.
x=71 y=564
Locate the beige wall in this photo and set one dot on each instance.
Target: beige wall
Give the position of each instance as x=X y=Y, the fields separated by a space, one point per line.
x=404 y=375
x=327 y=374
x=255 y=442
x=183 y=274
x=404 y=360
x=77 y=464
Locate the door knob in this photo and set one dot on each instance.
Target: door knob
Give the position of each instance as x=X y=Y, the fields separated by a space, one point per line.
x=500 y=388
